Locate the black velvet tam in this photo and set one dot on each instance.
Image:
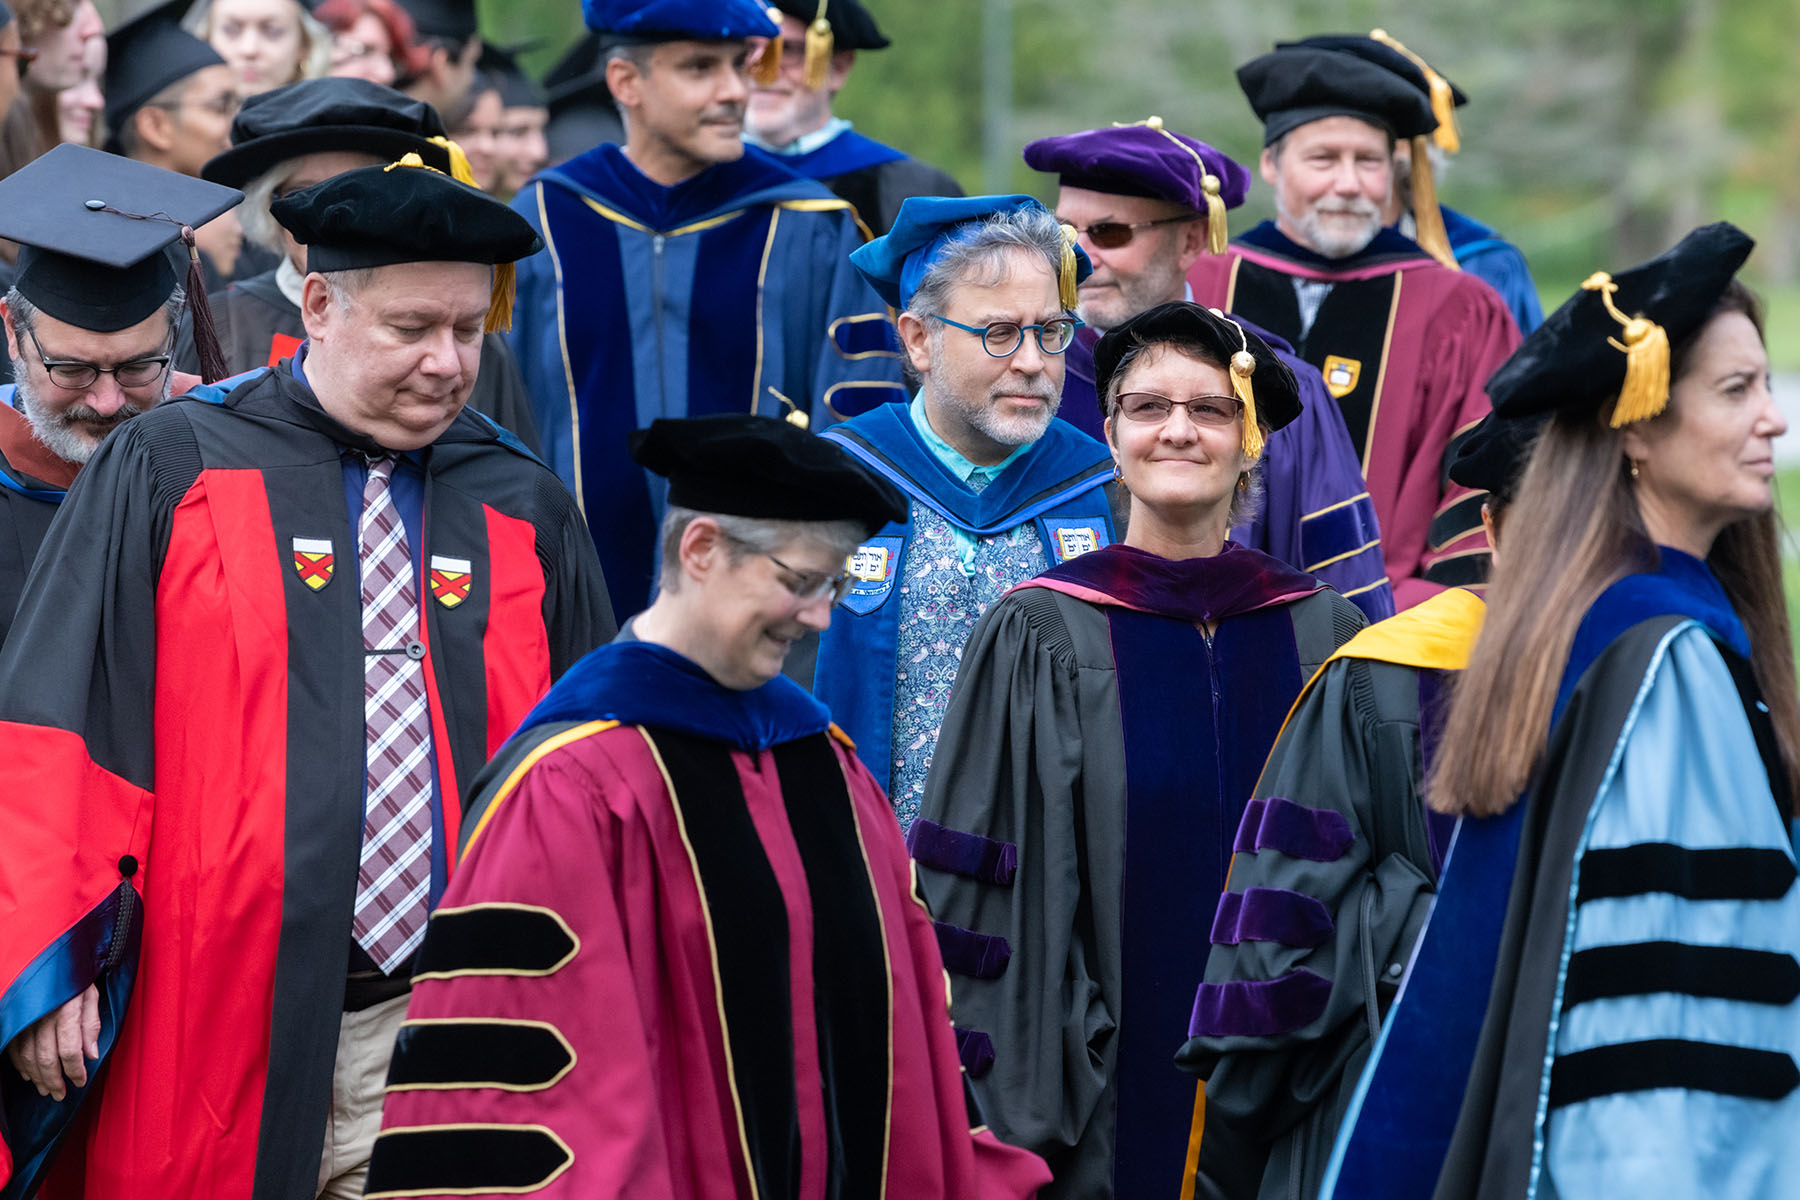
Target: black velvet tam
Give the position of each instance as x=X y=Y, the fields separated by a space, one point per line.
x=853 y=27
x=749 y=466
x=1491 y=457
x=379 y=216
x=1569 y=364
x=1379 y=53
x=93 y=227
x=147 y=54
x=1277 y=392
x=1297 y=84
x=319 y=115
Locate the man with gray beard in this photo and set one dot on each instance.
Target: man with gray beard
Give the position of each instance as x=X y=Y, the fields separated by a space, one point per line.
x=997 y=489
x=1405 y=344
x=89 y=324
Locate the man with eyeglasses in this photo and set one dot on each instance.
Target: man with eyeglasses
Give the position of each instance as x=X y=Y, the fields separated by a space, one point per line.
x=681 y=955
x=89 y=321
x=999 y=489
x=1148 y=203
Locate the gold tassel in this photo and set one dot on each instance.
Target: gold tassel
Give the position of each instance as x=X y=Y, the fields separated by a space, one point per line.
x=767 y=68
x=500 y=304
x=818 y=50
x=410 y=160
x=1243 y=366
x=459 y=162
x=795 y=417
x=1217 y=236
x=1645 y=344
x=1443 y=99
x=1428 y=218
x=1067 y=289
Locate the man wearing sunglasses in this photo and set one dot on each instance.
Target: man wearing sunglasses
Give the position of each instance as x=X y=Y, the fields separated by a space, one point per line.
x=1404 y=342
x=1148 y=202
x=1000 y=490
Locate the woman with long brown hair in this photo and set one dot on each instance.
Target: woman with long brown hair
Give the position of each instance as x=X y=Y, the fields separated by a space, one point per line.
x=1622 y=750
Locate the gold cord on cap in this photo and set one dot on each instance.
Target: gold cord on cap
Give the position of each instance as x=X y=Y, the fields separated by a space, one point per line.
x=1645 y=392
x=1217 y=235
x=1443 y=98
x=1243 y=366
x=819 y=46
x=1067 y=289
x=767 y=67
x=794 y=415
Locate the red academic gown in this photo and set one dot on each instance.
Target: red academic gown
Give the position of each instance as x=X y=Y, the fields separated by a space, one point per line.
x=1405 y=346
x=682 y=958
x=181 y=769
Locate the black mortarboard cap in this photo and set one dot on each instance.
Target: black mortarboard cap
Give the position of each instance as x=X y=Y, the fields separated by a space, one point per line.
x=318 y=115
x=454 y=20
x=1269 y=390
x=1491 y=457
x=742 y=465
x=1613 y=337
x=147 y=54
x=93 y=228
x=516 y=88
x=853 y=27
x=1297 y=83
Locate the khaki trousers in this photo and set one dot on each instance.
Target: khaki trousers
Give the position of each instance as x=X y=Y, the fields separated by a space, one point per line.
x=365 y=1047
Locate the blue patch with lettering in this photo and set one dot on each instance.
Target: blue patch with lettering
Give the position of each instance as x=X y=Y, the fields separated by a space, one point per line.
x=876 y=565
x=1073 y=538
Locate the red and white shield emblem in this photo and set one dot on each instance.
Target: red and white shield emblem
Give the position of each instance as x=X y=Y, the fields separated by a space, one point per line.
x=450 y=579
x=314 y=559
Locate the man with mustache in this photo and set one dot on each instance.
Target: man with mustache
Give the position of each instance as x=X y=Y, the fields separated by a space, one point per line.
x=89 y=321
x=790 y=113
x=684 y=274
x=998 y=489
x=1405 y=343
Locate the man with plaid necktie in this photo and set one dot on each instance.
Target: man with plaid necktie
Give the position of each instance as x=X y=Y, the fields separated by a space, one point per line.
x=277 y=632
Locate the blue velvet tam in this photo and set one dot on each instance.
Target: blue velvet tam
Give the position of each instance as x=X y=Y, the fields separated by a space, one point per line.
x=895 y=265
x=680 y=20
x=1141 y=160
x=1299 y=84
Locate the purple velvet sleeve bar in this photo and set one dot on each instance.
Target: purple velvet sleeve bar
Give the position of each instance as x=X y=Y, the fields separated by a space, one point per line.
x=1272 y=915
x=1315 y=834
x=976 y=1050
x=976 y=955
x=1264 y=1008
x=967 y=854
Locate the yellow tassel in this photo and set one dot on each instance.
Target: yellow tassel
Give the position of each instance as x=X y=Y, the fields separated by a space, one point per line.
x=411 y=160
x=1217 y=236
x=1431 y=235
x=500 y=304
x=1243 y=365
x=1067 y=289
x=795 y=417
x=767 y=67
x=818 y=50
x=459 y=162
x=1443 y=99
x=1645 y=344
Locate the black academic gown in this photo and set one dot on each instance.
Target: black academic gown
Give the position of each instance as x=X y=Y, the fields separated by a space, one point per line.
x=29 y=498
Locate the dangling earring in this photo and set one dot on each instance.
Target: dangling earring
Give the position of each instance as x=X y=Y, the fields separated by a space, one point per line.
x=1118 y=472
x=1634 y=467
x=1243 y=484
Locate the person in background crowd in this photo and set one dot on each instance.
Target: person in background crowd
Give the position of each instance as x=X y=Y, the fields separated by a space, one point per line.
x=790 y=113
x=520 y=150
x=78 y=108
x=999 y=489
x=1336 y=864
x=56 y=34
x=89 y=324
x=686 y=274
x=477 y=130
x=449 y=44
x=583 y=113
x=267 y=43
x=12 y=55
x=372 y=40
x=1109 y=721
x=1148 y=203
x=279 y=626
x=1403 y=342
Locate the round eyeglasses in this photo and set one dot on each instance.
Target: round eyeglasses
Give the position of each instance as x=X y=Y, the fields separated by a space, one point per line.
x=77 y=376
x=1002 y=339
x=1148 y=408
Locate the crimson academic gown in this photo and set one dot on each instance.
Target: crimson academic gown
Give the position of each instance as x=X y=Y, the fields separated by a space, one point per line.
x=182 y=768
x=682 y=958
x=1406 y=346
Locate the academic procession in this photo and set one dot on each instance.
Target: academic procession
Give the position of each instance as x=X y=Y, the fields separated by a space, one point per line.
x=602 y=633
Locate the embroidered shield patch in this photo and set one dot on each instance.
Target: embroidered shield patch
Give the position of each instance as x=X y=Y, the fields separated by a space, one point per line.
x=314 y=560
x=1341 y=375
x=450 y=580
x=1071 y=539
x=876 y=565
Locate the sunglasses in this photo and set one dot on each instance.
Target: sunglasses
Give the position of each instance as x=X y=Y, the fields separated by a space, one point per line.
x=1110 y=235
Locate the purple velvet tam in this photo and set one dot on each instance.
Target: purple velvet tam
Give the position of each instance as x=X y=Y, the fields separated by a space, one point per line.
x=1271 y=915
x=976 y=955
x=1315 y=834
x=976 y=1050
x=1264 y=1008
x=1138 y=160
x=967 y=854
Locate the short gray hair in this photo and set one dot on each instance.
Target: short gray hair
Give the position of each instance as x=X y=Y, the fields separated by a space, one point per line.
x=25 y=313
x=752 y=535
x=345 y=286
x=982 y=256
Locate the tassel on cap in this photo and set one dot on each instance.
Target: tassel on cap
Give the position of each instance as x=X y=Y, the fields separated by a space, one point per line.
x=1443 y=100
x=459 y=162
x=819 y=45
x=500 y=303
x=767 y=67
x=206 y=332
x=1429 y=219
x=1645 y=344
x=1217 y=233
x=1066 y=288
x=794 y=416
x=1243 y=366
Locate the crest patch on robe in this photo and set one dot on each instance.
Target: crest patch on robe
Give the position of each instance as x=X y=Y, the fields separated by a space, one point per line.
x=875 y=564
x=1341 y=375
x=450 y=579
x=315 y=561
x=1072 y=539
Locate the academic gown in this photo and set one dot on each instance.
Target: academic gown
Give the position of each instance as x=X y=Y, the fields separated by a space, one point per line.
x=1405 y=346
x=1098 y=754
x=259 y=326
x=1483 y=253
x=872 y=176
x=33 y=482
x=682 y=957
x=1334 y=867
x=1316 y=514
x=1606 y=998
x=182 y=768
x=724 y=293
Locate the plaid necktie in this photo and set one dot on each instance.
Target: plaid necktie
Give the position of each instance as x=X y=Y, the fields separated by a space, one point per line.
x=394 y=880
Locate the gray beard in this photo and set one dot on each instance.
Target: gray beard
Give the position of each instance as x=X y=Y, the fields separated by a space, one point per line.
x=64 y=432
x=1334 y=245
